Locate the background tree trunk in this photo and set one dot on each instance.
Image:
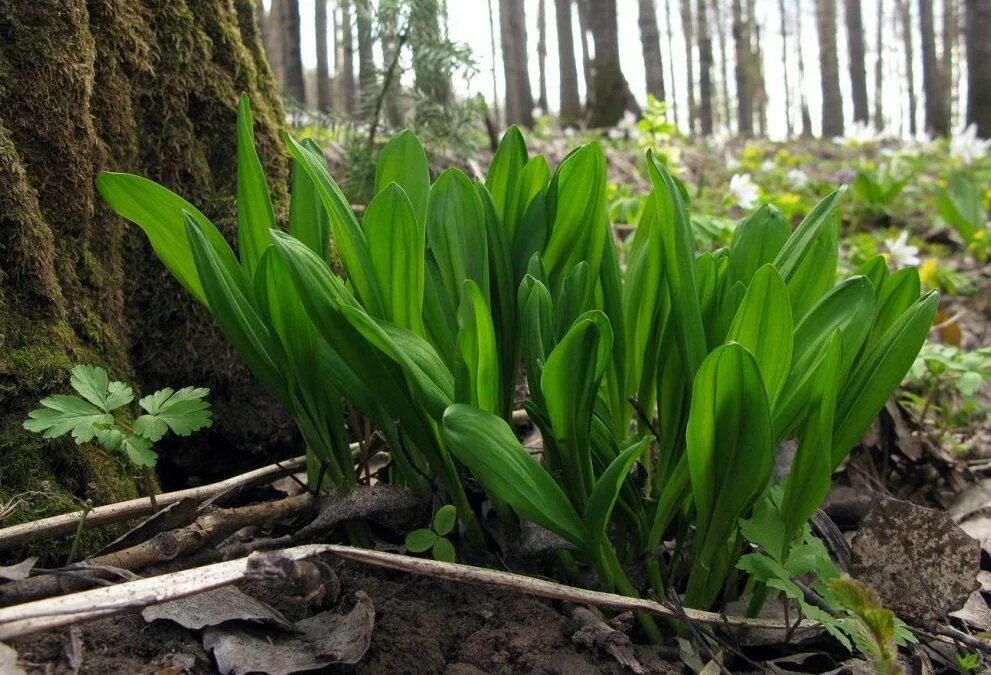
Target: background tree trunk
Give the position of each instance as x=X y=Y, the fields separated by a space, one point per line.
x=650 y=40
x=390 y=43
x=609 y=93
x=688 y=31
x=670 y=35
x=744 y=85
x=855 y=52
x=717 y=13
x=584 y=30
x=803 y=100
x=905 y=10
x=571 y=107
x=519 y=100
x=705 y=70
x=947 y=64
x=879 y=70
x=978 y=13
x=292 y=56
x=832 y=101
x=367 y=84
x=756 y=65
x=324 y=92
x=542 y=54
x=345 y=60
x=272 y=39
x=93 y=85
x=783 y=14
x=933 y=87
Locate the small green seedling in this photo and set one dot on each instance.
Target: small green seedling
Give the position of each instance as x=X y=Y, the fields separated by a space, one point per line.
x=435 y=538
x=969 y=662
x=102 y=412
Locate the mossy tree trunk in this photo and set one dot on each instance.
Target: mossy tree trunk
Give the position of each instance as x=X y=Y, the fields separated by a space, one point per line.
x=150 y=88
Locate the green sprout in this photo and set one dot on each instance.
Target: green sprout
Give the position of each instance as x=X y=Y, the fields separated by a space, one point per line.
x=435 y=538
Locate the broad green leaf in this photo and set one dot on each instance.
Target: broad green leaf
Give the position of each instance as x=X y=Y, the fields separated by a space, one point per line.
x=504 y=172
x=139 y=451
x=62 y=414
x=445 y=519
x=815 y=274
x=403 y=161
x=763 y=325
x=255 y=215
x=308 y=220
x=899 y=291
x=878 y=374
x=532 y=180
x=396 y=248
x=93 y=385
x=674 y=226
x=443 y=550
x=757 y=240
x=536 y=331
x=960 y=205
x=183 y=411
x=161 y=214
x=477 y=347
x=487 y=446
x=606 y=491
x=420 y=540
x=349 y=239
x=800 y=245
x=641 y=292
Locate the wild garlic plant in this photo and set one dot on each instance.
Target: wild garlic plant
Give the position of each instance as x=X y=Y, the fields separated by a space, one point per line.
x=662 y=379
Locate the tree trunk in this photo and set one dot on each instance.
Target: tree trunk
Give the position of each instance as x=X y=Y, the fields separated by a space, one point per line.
x=933 y=87
x=324 y=94
x=609 y=93
x=829 y=70
x=431 y=83
x=571 y=107
x=855 y=50
x=756 y=64
x=744 y=86
x=149 y=88
x=723 y=62
x=292 y=56
x=688 y=30
x=978 y=13
x=671 y=79
x=390 y=43
x=542 y=54
x=345 y=60
x=803 y=100
x=650 y=40
x=879 y=70
x=272 y=40
x=783 y=14
x=948 y=59
x=367 y=85
x=705 y=71
x=905 y=10
x=584 y=29
x=519 y=100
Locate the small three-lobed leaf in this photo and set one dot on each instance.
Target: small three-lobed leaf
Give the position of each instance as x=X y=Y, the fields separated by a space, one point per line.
x=183 y=411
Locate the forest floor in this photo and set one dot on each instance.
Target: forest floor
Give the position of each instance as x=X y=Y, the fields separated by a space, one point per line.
x=931 y=447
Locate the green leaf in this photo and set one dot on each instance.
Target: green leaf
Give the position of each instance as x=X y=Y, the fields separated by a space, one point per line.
x=488 y=447
x=183 y=411
x=507 y=164
x=477 y=348
x=308 y=219
x=801 y=244
x=111 y=439
x=255 y=215
x=92 y=384
x=445 y=519
x=898 y=292
x=63 y=414
x=420 y=540
x=606 y=491
x=162 y=215
x=396 y=248
x=815 y=273
x=443 y=550
x=757 y=240
x=139 y=451
x=532 y=181
x=403 y=161
x=763 y=325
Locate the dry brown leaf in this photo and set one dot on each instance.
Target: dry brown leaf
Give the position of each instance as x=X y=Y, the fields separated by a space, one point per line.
x=19 y=571
x=226 y=603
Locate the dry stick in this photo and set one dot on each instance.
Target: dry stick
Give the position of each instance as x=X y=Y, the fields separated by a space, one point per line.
x=211 y=525
x=66 y=523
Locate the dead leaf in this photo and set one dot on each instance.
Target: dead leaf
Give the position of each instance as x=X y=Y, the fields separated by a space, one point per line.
x=19 y=571
x=8 y=661
x=973 y=500
x=316 y=642
x=906 y=441
x=920 y=563
x=211 y=608
x=167 y=518
x=980 y=529
x=72 y=650
x=594 y=632
x=377 y=502
x=975 y=612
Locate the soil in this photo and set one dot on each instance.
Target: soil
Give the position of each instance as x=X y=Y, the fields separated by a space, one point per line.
x=422 y=625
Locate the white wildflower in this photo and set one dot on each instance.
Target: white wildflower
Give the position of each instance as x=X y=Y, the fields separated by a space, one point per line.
x=744 y=191
x=966 y=146
x=797 y=178
x=901 y=252
x=767 y=165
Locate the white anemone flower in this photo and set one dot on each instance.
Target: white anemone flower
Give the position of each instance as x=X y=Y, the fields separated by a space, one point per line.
x=901 y=252
x=797 y=178
x=966 y=146
x=744 y=191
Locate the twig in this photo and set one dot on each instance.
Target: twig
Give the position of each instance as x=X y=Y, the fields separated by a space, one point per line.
x=87 y=507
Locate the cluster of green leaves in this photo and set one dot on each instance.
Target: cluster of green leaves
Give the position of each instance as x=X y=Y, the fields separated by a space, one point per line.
x=100 y=411
x=451 y=285
x=960 y=205
x=434 y=538
x=877 y=190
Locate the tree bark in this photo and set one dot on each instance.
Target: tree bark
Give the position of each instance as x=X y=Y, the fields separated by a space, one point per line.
x=855 y=52
x=757 y=71
x=542 y=54
x=324 y=93
x=688 y=30
x=367 y=84
x=584 y=30
x=744 y=85
x=723 y=62
x=671 y=78
x=345 y=60
x=650 y=40
x=803 y=100
x=879 y=70
x=292 y=56
x=571 y=107
x=832 y=101
x=272 y=40
x=948 y=59
x=705 y=70
x=933 y=88
x=609 y=93
x=905 y=10
x=978 y=38
x=783 y=14
x=390 y=43
x=519 y=100
x=94 y=85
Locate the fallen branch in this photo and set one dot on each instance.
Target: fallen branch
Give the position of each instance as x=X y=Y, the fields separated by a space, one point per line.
x=210 y=526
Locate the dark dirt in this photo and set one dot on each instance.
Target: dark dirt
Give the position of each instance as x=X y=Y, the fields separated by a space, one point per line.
x=421 y=626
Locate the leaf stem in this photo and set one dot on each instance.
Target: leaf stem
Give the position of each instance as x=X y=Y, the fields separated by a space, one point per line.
x=87 y=507
x=149 y=480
